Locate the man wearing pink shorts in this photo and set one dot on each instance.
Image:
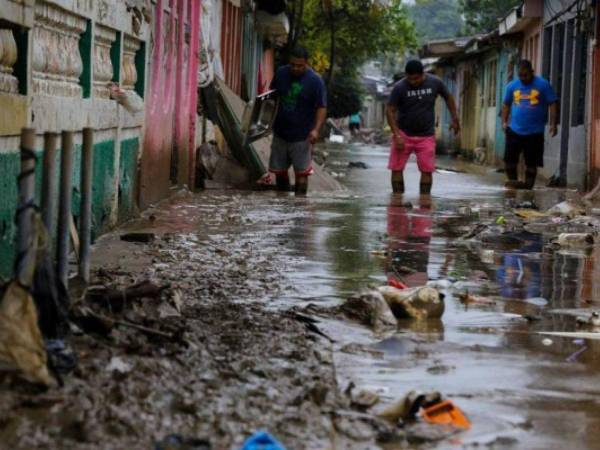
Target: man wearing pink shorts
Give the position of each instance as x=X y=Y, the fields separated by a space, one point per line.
x=411 y=116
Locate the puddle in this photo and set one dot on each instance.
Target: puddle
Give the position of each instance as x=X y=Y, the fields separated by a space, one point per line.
x=516 y=391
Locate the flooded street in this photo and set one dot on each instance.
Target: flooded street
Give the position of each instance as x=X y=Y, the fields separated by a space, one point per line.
x=247 y=331
x=520 y=389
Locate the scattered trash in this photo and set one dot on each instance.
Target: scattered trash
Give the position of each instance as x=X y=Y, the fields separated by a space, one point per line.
x=547 y=342
x=407 y=407
x=127 y=98
x=573 y=356
x=414 y=303
x=529 y=214
x=138 y=237
x=571 y=334
x=397 y=284
x=61 y=358
x=21 y=343
x=578 y=341
x=117 y=364
x=370 y=308
x=501 y=220
x=527 y=204
x=262 y=441
x=465 y=211
x=379 y=253
x=364 y=400
x=487 y=256
x=336 y=138
x=470 y=299
x=440 y=284
x=566 y=208
x=592 y=321
x=445 y=413
x=574 y=239
x=357 y=165
x=178 y=442
x=537 y=301
x=115 y=299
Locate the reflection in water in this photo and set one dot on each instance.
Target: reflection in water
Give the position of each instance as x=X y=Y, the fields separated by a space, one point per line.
x=518 y=275
x=409 y=235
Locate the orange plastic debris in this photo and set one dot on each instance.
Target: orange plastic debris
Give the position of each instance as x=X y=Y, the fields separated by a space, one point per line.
x=445 y=413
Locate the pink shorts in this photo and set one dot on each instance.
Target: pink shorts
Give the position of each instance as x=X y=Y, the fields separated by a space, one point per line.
x=422 y=146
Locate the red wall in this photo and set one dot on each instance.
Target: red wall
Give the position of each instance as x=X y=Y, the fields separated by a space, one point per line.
x=171 y=99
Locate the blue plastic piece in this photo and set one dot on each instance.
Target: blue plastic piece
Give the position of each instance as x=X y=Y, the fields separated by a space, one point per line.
x=262 y=441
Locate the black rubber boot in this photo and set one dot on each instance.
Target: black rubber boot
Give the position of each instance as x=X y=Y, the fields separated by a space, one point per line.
x=301 y=188
x=530 y=175
x=282 y=182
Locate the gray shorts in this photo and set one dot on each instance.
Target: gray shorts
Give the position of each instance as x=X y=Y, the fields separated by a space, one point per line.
x=285 y=154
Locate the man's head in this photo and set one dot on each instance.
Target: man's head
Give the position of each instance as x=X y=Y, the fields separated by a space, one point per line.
x=525 y=71
x=298 y=61
x=415 y=75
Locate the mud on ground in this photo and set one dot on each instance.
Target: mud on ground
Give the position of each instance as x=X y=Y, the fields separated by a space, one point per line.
x=231 y=366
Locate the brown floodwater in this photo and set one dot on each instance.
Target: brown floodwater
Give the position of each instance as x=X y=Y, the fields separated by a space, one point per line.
x=519 y=388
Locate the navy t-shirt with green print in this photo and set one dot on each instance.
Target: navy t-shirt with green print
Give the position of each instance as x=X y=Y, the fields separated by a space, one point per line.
x=300 y=97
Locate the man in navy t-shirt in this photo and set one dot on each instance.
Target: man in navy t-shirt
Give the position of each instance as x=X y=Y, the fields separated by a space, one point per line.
x=527 y=102
x=302 y=112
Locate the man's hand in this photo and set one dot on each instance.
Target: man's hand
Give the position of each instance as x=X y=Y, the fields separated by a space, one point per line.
x=504 y=126
x=398 y=139
x=313 y=136
x=455 y=126
x=553 y=130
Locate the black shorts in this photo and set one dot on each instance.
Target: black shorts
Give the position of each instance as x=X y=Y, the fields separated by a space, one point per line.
x=531 y=145
x=354 y=126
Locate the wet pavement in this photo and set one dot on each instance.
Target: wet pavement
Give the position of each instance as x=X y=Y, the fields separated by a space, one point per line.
x=520 y=389
x=237 y=262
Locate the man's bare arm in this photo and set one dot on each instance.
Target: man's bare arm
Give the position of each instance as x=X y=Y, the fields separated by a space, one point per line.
x=451 y=104
x=321 y=116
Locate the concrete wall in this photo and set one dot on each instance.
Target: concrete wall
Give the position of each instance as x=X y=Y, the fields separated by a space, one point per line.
x=566 y=154
x=64 y=55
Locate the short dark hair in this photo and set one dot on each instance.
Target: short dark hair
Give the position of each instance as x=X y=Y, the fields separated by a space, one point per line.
x=414 y=67
x=299 y=52
x=525 y=64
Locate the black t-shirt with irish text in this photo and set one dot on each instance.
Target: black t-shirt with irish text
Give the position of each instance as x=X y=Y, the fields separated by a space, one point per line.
x=416 y=105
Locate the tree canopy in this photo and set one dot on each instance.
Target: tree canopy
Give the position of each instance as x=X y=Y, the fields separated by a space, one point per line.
x=482 y=16
x=436 y=19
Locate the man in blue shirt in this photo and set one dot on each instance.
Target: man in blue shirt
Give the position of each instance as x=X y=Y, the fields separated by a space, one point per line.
x=302 y=112
x=527 y=102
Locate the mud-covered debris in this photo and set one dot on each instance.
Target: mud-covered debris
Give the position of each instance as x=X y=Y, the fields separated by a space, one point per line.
x=407 y=407
x=364 y=399
x=115 y=299
x=567 y=208
x=117 y=364
x=469 y=299
x=370 y=308
x=357 y=165
x=575 y=239
x=415 y=303
x=21 y=343
x=144 y=238
x=591 y=321
x=178 y=442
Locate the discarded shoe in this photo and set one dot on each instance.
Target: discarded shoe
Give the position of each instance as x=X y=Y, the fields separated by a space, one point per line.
x=262 y=441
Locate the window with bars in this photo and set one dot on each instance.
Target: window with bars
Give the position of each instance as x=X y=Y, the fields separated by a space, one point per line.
x=491 y=97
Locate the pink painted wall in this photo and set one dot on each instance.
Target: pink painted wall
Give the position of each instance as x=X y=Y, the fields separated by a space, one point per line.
x=171 y=99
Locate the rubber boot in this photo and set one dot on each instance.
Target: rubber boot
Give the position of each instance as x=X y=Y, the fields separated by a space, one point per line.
x=511 y=174
x=425 y=188
x=530 y=175
x=301 y=187
x=282 y=182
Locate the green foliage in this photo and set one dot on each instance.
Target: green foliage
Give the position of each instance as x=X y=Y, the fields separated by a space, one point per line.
x=436 y=19
x=345 y=94
x=483 y=15
x=363 y=29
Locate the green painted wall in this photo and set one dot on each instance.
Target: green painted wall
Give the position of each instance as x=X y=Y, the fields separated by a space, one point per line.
x=102 y=192
x=127 y=177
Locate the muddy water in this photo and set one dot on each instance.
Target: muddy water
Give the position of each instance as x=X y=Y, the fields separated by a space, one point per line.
x=517 y=391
